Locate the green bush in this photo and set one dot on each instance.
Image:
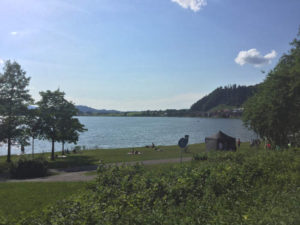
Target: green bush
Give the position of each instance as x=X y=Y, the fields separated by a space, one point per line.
x=26 y=167
x=200 y=157
x=249 y=188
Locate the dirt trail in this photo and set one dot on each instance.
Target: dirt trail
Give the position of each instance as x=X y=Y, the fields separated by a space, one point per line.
x=78 y=173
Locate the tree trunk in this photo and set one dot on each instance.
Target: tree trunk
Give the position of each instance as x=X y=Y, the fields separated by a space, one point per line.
x=63 y=148
x=22 y=149
x=8 y=150
x=52 y=152
x=32 y=145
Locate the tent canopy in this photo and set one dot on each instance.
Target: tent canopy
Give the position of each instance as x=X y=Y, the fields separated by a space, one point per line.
x=220 y=141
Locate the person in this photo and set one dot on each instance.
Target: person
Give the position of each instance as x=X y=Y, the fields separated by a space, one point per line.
x=268 y=146
x=239 y=143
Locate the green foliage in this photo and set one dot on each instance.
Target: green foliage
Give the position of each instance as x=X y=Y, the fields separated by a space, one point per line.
x=68 y=126
x=273 y=112
x=57 y=122
x=14 y=100
x=49 y=110
x=53 y=120
x=200 y=156
x=234 y=188
x=26 y=167
x=230 y=96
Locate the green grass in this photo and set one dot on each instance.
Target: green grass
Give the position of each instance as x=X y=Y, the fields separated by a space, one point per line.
x=20 y=199
x=92 y=157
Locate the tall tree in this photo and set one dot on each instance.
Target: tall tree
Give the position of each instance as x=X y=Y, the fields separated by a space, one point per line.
x=57 y=122
x=49 y=113
x=273 y=112
x=14 y=102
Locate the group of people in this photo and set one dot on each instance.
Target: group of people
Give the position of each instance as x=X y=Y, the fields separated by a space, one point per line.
x=134 y=152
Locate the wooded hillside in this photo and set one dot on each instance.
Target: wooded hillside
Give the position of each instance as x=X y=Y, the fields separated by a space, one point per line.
x=231 y=95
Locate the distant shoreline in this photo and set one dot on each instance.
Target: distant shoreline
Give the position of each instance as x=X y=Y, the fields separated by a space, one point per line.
x=186 y=116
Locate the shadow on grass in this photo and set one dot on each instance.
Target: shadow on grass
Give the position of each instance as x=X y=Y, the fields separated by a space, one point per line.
x=73 y=161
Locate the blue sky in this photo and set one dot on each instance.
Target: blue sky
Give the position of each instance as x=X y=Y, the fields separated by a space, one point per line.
x=144 y=54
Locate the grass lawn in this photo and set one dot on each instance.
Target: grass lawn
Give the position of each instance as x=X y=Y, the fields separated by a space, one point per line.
x=19 y=199
x=92 y=157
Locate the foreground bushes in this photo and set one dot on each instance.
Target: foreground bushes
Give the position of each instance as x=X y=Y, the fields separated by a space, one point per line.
x=26 y=167
x=233 y=188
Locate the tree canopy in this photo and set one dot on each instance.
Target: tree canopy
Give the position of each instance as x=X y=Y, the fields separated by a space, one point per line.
x=69 y=127
x=273 y=112
x=53 y=119
x=14 y=102
x=57 y=122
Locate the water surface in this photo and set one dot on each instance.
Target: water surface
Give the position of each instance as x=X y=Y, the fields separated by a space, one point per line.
x=120 y=132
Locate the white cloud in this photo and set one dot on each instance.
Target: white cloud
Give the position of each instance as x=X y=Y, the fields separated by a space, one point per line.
x=254 y=57
x=1 y=62
x=194 y=5
x=271 y=55
x=14 y=33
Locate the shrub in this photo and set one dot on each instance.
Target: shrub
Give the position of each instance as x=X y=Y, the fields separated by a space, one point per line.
x=252 y=189
x=4 y=167
x=200 y=157
x=27 y=167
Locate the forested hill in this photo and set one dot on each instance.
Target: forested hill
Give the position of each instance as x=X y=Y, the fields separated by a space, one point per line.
x=231 y=95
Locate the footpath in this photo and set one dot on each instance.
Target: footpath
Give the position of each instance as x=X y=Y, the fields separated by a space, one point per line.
x=76 y=174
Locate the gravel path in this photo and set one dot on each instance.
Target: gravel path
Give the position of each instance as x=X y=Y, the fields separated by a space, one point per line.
x=78 y=173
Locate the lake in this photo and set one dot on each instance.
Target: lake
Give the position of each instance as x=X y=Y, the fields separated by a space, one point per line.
x=121 y=132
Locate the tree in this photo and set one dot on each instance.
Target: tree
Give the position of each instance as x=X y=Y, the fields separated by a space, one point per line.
x=14 y=102
x=33 y=125
x=273 y=112
x=57 y=122
x=69 y=127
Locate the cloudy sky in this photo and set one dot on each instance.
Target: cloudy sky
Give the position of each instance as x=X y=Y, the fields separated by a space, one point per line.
x=144 y=54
